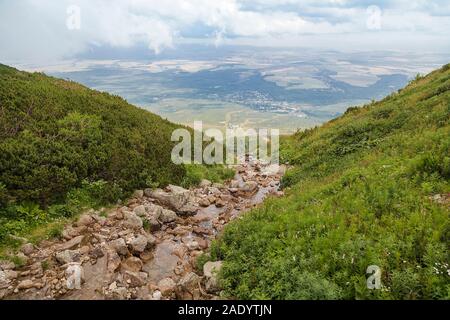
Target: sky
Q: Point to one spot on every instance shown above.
(43, 30)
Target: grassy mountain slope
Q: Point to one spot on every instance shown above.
(64, 146)
(369, 188)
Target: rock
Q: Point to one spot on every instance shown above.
(167, 216)
(249, 187)
(138, 194)
(25, 284)
(138, 244)
(7, 265)
(119, 246)
(27, 249)
(68, 256)
(151, 241)
(85, 220)
(71, 244)
(132, 221)
(167, 287)
(178, 199)
(218, 186)
(135, 279)
(74, 276)
(157, 295)
(153, 223)
(146, 256)
(188, 287)
(22, 257)
(220, 203)
(4, 280)
(113, 261)
(205, 183)
(132, 264)
(211, 269)
(204, 202)
(140, 211)
(96, 253)
(192, 245)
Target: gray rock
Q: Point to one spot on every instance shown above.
(27, 249)
(167, 216)
(135, 279)
(139, 243)
(167, 287)
(119, 246)
(71, 244)
(68, 256)
(140, 211)
(211, 271)
(138, 194)
(188, 287)
(132, 221)
(132, 264)
(25, 284)
(85, 220)
(205, 183)
(178, 199)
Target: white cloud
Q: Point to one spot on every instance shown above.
(37, 28)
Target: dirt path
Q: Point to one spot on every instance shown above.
(145, 250)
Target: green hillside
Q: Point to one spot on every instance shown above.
(64, 147)
(369, 188)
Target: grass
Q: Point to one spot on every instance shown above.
(360, 194)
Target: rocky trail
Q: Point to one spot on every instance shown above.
(145, 250)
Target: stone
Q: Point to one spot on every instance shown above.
(211, 269)
(153, 223)
(27, 249)
(25, 284)
(113, 261)
(138, 244)
(249, 187)
(74, 276)
(138, 194)
(132, 264)
(67, 256)
(71, 244)
(177, 199)
(119, 246)
(4, 280)
(204, 202)
(85, 220)
(220, 203)
(22, 257)
(96, 253)
(135, 279)
(157, 295)
(188, 287)
(167, 216)
(7, 265)
(151, 241)
(132, 221)
(205, 183)
(140, 211)
(167, 287)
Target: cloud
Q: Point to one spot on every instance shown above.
(37, 28)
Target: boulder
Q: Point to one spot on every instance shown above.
(205, 183)
(135, 279)
(25, 284)
(4, 280)
(132, 221)
(167, 216)
(27, 249)
(119, 246)
(68, 256)
(140, 211)
(153, 223)
(138, 244)
(74, 276)
(85, 220)
(71, 244)
(167, 287)
(132, 264)
(188, 287)
(178, 199)
(138, 194)
(113, 261)
(204, 202)
(211, 271)
(249, 187)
